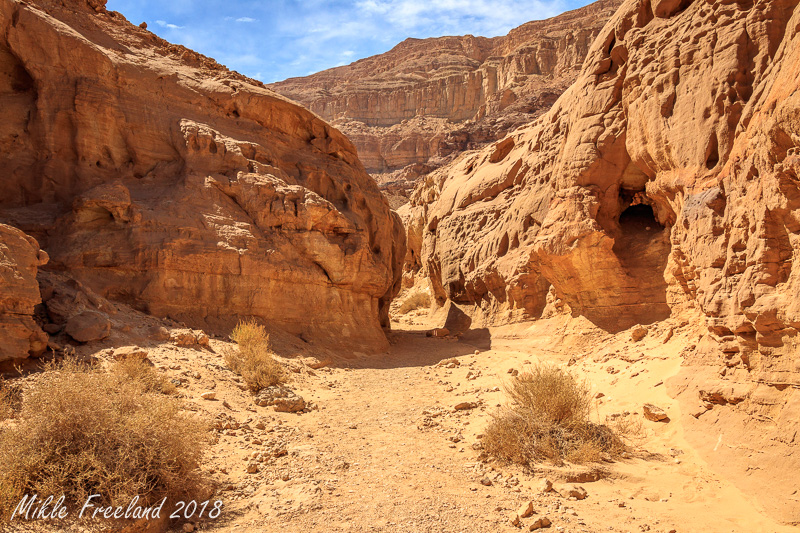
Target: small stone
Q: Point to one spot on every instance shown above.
(539, 523)
(638, 333)
(202, 339)
(52, 329)
(486, 481)
(143, 25)
(209, 395)
(574, 491)
(158, 333)
(252, 468)
(130, 352)
(188, 527)
(465, 406)
(526, 510)
(440, 332)
(514, 519)
(545, 485)
(654, 413)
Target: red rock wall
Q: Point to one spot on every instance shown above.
(20, 258)
(160, 179)
(664, 182)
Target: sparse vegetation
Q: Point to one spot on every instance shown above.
(549, 419)
(415, 300)
(7, 400)
(138, 369)
(253, 360)
(82, 430)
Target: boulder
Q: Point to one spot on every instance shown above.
(88, 326)
(452, 318)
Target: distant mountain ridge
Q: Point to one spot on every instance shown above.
(428, 99)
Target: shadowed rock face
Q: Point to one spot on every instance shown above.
(160, 179)
(20, 258)
(666, 180)
(429, 98)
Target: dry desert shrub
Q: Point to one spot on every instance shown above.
(82, 430)
(253, 360)
(139, 369)
(416, 300)
(6, 400)
(549, 419)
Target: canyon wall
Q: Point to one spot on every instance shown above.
(429, 98)
(160, 179)
(664, 183)
(20, 258)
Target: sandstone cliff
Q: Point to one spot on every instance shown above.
(664, 182)
(20, 258)
(428, 98)
(158, 178)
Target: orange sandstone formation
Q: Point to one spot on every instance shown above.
(664, 182)
(429, 98)
(158, 178)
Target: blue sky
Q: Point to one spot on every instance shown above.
(277, 39)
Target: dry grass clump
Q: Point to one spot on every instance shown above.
(138, 369)
(416, 300)
(549, 419)
(253, 360)
(82, 430)
(7, 400)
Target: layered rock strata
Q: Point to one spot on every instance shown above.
(20, 258)
(664, 183)
(427, 99)
(158, 178)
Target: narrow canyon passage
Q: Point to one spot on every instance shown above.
(387, 451)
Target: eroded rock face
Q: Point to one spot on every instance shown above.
(664, 182)
(160, 179)
(20, 258)
(429, 98)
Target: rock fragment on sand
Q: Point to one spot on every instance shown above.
(654, 413)
(638, 333)
(540, 522)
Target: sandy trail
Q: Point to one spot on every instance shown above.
(379, 454)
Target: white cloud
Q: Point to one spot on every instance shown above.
(246, 19)
(165, 24)
(348, 53)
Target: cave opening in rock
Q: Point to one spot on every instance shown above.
(642, 247)
(638, 218)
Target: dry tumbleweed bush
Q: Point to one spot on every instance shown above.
(549, 419)
(82, 430)
(253, 360)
